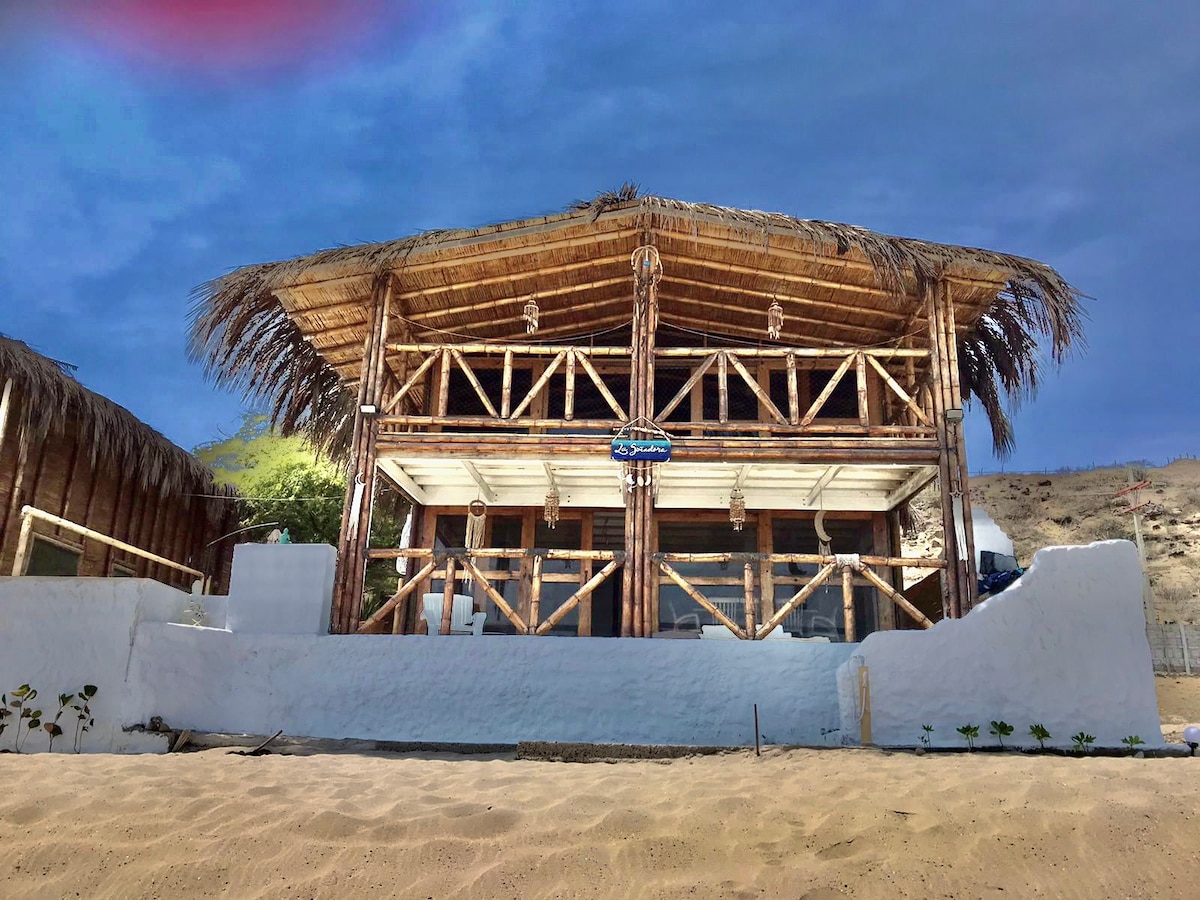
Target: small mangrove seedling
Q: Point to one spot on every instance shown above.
(1000, 730)
(925, 738)
(1132, 742)
(1083, 741)
(83, 719)
(53, 728)
(969, 733)
(32, 718)
(1039, 734)
(5, 712)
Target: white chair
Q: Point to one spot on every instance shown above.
(463, 618)
(721, 633)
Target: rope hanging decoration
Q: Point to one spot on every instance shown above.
(774, 320)
(476, 528)
(737, 508)
(530, 315)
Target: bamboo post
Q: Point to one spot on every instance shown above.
(793, 390)
(722, 388)
(766, 570)
(748, 599)
(447, 597)
(860, 365)
(24, 542)
(535, 594)
(957, 445)
(506, 385)
(355, 534)
(848, 603)
(586, 528)
(569, 389)
(937, 364)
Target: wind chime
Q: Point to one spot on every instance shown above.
(551, 511)
(774, 320)
(530, 315)
(737, 508)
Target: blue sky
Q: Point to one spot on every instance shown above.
(1065, 131)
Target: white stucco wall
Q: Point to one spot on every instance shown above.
(281, 589)
(1065, 647)
(58, 634)
(490, 689)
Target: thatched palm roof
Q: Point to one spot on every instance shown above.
(52, 400)
(290, 333)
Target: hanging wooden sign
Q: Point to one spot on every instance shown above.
(630, 450)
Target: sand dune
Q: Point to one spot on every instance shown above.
(788, 824)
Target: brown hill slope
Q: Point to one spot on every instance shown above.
(1079, 507)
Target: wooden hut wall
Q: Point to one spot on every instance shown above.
(58, 476)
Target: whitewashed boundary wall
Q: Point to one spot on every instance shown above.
(1064, 647)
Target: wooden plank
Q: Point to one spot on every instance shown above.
(480, 482)
(822, 483)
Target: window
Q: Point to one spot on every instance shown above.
(51, 558)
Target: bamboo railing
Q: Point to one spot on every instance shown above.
(423, 400)
(456, 563)
(850, 565)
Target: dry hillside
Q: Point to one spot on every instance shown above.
(1079, 507)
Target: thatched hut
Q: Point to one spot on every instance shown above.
(640, 384)
(88, 489)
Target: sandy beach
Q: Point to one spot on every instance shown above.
(788, 824)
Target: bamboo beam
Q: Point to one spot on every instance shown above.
(502, 348)
(799, 559)
(405, 482)
(823, 482)
(424, 293)
(896, 597)
(571, 602)
(501, 604)
(839, 352)
(797, 600)
(799, 279)
(702, 600)
(828, 390)
(913, 484)
(412, 380)
(401, 594)
(520, 299)
(484, 488)
(496, 553)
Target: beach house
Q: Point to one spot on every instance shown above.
(644, 417)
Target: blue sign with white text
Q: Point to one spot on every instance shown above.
(629, 450)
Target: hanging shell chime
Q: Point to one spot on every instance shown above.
(550, 513)
(530, 315)
(774, 320)
(737, 509)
